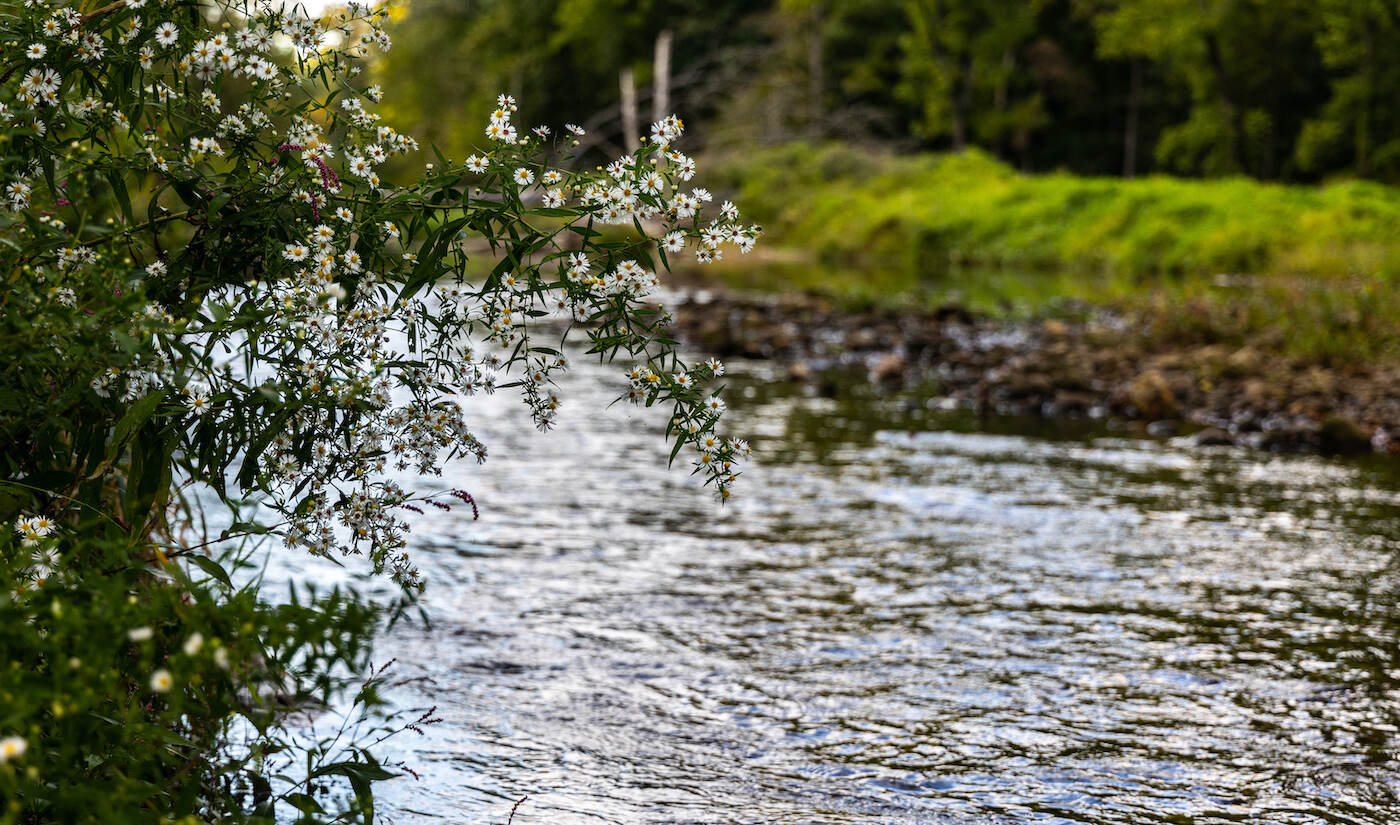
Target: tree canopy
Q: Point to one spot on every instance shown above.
(1275, 89)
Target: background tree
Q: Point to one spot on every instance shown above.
(561, 57)
(1223, 55)
(1276, 89)
(962, 67)
(1358, 126)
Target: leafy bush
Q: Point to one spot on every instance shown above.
(214, 307)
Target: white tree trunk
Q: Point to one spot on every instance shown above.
(631, 129)
(661, 80)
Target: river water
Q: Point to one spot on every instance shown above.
(904, 617)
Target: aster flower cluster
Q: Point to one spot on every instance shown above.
(36, 535)
(633, 191)
(221, 277)
(304, 325)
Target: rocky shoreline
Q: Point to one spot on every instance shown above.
(1098, 369)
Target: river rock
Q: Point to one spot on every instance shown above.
(1161, 429)
(1213, 437)
(1315, 381)
(888, 369)
(1262, 394)
(863, 338)
(1152, 396)
(1242, 362)
(1021, 385)
(1340, 434)
(1073, 402)
(1242, 395)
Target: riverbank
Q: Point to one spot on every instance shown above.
(1308, 271)
(1099, 367)
(925, 212)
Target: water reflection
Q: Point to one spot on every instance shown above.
(907, 616)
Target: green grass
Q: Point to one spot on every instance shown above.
(1307, 270)
(928, 213)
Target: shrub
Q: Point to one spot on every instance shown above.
(214, 301)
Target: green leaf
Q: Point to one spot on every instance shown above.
(214, 569)
(363, 770)
(248, 472)
(217, 204)
(114, 177)
(188, 194)
(304, 803)
(139, 414)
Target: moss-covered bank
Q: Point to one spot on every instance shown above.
(1306, 270)
(931, 212)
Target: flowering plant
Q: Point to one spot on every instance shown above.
(213, 295)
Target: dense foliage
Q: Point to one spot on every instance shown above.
(1277, 89)
(222, 327)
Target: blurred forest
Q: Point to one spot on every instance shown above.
(1287, 90)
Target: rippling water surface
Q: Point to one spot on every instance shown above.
(901, 619)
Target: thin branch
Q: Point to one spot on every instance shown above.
(513, 807)
(105, 10)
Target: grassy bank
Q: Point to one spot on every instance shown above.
(1309, 270)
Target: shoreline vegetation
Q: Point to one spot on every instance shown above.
(1309, 271)
(1238, 311)
(940, 211)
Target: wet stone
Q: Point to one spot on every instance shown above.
(1056, 368)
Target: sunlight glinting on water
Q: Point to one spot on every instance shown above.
(898, 620)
